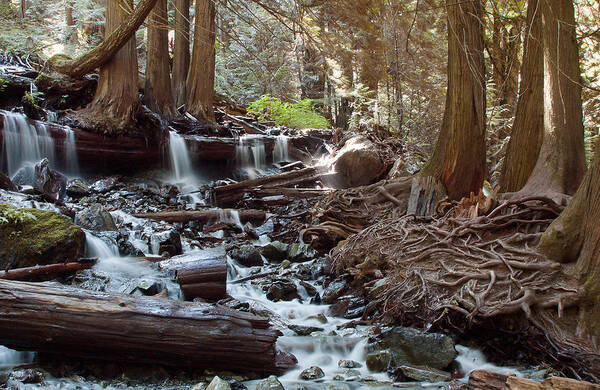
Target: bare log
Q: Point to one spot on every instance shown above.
(200, 277)
(486, 380)
(205, 216)
(51, 318)
(47, 272)
(103, 53)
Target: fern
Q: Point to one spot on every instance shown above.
(299, 115)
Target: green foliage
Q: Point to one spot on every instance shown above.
(12, 216)
(299, 115)
(3, 84)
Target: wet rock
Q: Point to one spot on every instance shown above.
(247, 255)
(348, 307)
(285, 264)
(349, 364)
(334, 291)
(40, 237)
(275, 251)
(310, 289)
(299, 253)
(235, 384)
(301, 330)
(312, 373)
(271, 383)
(168, 241)
(218, 384)
(319, 317)
(310, 271)
(379, 361)
(78, 189)
(6, 184)
(358, 162)
(338, 386)
(415, 347)
(24, 176)
(105, 185)
(281, 290)
(49, 182)
(95, 218)
(149, 287)
(419, 374)
(28, 375)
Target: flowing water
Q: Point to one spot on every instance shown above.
(250, 155)
(181, 163)
(72, 161)
(281, 151)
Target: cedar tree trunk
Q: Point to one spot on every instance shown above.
(181, 55)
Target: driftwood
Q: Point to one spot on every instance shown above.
(50, 318)
(200, 277)
(486, 380)
(205, 216)
(47, 272)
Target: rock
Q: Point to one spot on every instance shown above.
(149, 287)
(6, 184)
(379, 361)
(285, 264)
(358, 162)
(25, 176)
(338, 386)
(199, 386)
(271, 383)
(310, 289)
(78, 189)
(415, 347)
(281, 290)
(95, 218)
(275, 251)
(420, 374)
(168, 241)
(299, 253)
(349, 364)
(334, 291)
(398, 170)
(247, 255)
(319, 317)
(28, 375)
(105, 185)
(218, 384)
(39, 237)
(49, 182)
(310, 271)
(312, 373)
(301, 330)
(487, 380)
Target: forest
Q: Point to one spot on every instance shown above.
(299, 194)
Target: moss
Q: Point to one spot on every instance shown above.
(563, 239)
(50, 238)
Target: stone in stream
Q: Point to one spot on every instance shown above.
(271, 383)
(49, 182)
(168, 241)
(379, 361)
(281, 290)
(299, 253)
(415, 347)
(349, 364)
(312, 373)
(247, 255)
(302, 330)
(275, 251)
(419, 374)
(40, 237)
(95, 218)
(216, 384)
(105, 185)
(28, 375)
(334, 290)
(78, 189)
(6, 183)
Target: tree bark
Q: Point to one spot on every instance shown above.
(71, 32)
(47, 272)
(201, 76)
(119, 34)
(158, 96)
(458, 160)
(59, 319)
(528, 128)
(201, 215)
(204, 278)
(181, 55)
(561, 163)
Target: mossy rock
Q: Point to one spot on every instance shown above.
(48, 239)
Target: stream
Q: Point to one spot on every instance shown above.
(339, 352)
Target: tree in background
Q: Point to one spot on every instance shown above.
(181, 52)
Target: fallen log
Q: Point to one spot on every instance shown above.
(300, 193)
(486, 380)
(206, 216)
(53, 319)
(198, 276)
(47, 272)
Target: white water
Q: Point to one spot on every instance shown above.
(70, 146)
(230, 216)
(281, 151)
(24, 143)
(181, 163)
(250, 155)
(11, 358)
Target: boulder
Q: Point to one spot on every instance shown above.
(415, 347)
(312, 373)
(271, 383)
(299, 253)
(32, 236)
(168, 241)
(78, 188)
(275, 251)
(302, 330)
(281, 290)
(358, 163)
(334, 290)
(48, 181)
(420, 374)
(349, 364)
(95, 218)
(218, 384)
(379, 361)
(247, 255)
(6, 183)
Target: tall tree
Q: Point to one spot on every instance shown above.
(181, 53)
(71, 30)
(528, 128)
(201, 76)
(458, 161)
(157, 92)
(561, 163)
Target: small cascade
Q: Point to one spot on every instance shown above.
(12, 358)
(230, 216)
(281, 151)
(181, 163)
(97, 247)
(72, 162)
(24, 143)
(251, 155)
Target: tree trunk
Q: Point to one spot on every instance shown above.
(71, 31)
(204, 278)
(119, 34)
(528, 128)
(205, 216)
(181, 55)
(201, 76)
(158, 96)
(59, 319)
(458, 160)
(561, 163)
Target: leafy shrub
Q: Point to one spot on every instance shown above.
(299, 115)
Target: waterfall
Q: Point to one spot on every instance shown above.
(24, 142)
(230, 216)
(181, 164)
(281, 151)
(251, 155)
(97, 247)
(72, 162)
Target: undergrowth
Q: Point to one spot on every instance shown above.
(299, 115)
